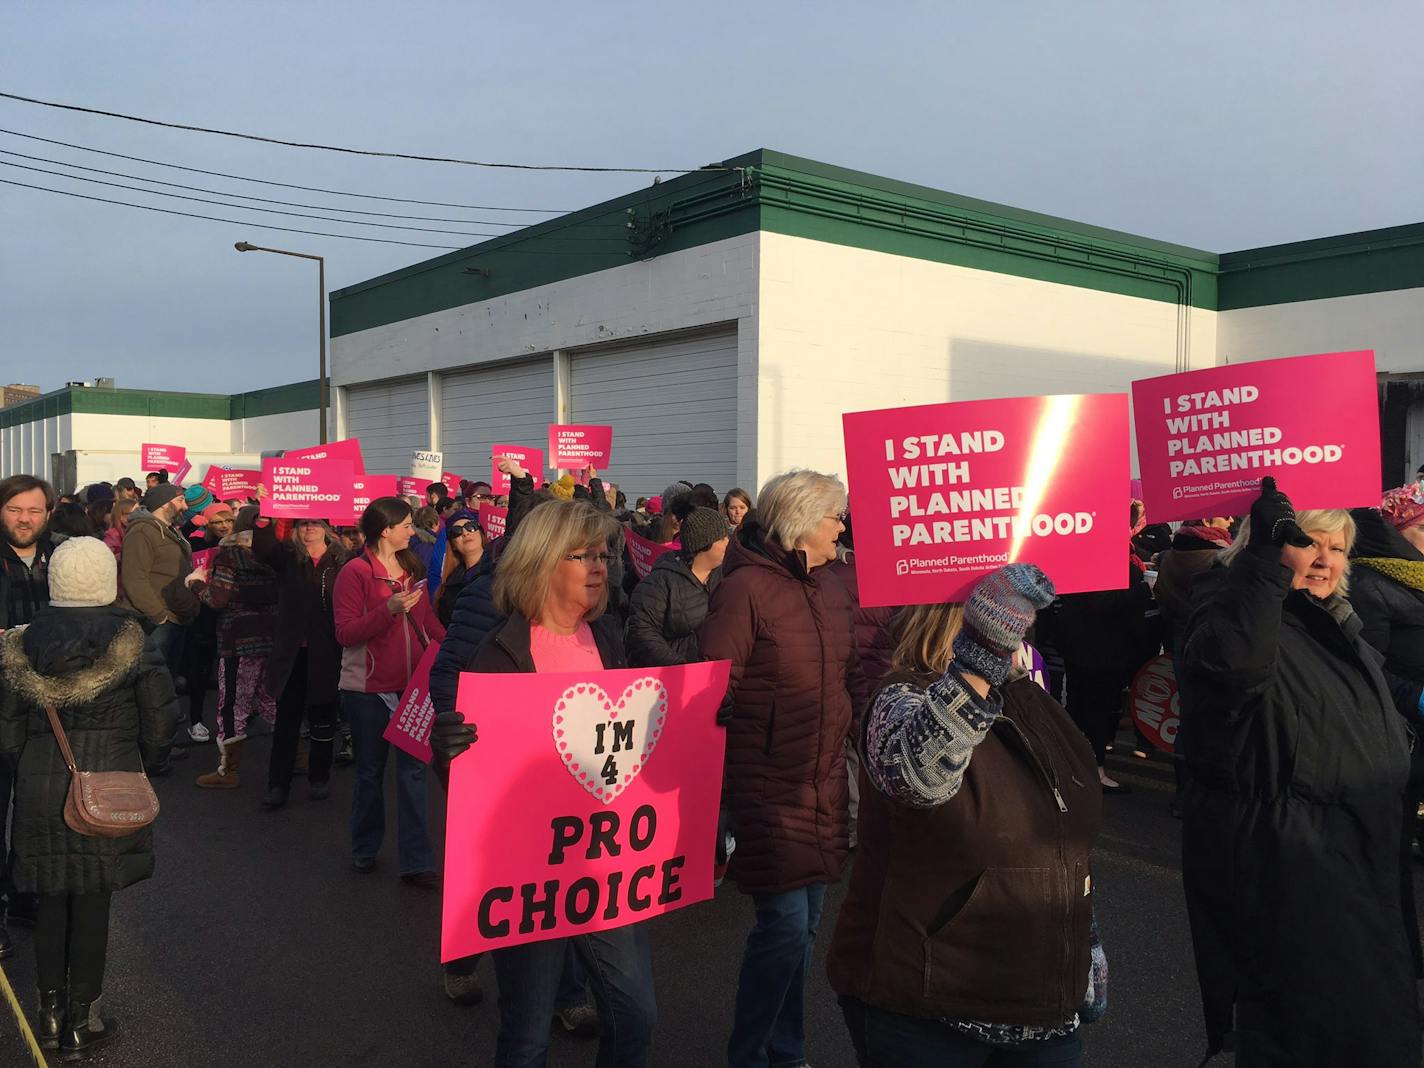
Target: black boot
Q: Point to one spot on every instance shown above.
(85, 1028)
(50, 1018)
(276, 797)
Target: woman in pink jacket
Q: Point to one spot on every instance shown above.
(384, 621)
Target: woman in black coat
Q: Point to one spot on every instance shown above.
(668, 606)
(1291, 820)
(90, 661)
(305, 663)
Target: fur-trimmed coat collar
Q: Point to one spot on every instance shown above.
(74, 688)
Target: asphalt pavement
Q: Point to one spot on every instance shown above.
(256, 944)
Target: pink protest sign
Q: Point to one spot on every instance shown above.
(1155, 704)
(170, 458)
(410, 487)
(452, 482)
(203, 558)
(644, 552)
(1205, 439)
(573, 447)
(307, 489)
(366, 488)
(348, 449)
(946, 493)
(409, 727)
(589, 802)
(231, 484)
(531, 458)
(492, 520)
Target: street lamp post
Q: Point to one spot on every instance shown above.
(243, 246)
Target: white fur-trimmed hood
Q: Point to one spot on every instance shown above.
(76, 688)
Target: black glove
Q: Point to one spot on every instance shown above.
(1273, 520)
(451, 735)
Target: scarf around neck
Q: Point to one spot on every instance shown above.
(1215, 535)
(1406, 572)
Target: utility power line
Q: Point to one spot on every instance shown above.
(357, 151)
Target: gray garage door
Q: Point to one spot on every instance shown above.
(511, 404)
(392, 419)
(673, 408)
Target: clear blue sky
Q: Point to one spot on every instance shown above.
(1219, 125)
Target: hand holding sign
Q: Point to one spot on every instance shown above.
(1273, 520)
(451, 735)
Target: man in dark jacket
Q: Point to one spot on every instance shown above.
(155, 561)
(26, 504)
(669, 606)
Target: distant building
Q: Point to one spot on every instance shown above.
(17, 393)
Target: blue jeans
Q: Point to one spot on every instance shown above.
(885, 1039)
(767, 1027)
(169, 637)
(620, 971)
(368, 715)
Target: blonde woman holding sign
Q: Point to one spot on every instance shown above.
(552, 587)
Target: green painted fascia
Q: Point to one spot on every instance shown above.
(690, 210)
(150, 404)
(45, 406)
(1375, 261)
(275, 400)
(823, 203)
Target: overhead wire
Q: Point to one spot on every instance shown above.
(276, 211)
(356, 151)
(283, 185)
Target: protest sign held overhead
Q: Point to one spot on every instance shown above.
(945, 493)
(170, 458)
(573, 447)
(365, 489)
(1205, 439)
(348, 449)
(589, 802)
(531, 458)
(308, 489)
(426, 467)
(231, 484)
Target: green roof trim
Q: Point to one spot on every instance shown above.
(295, 397)
(1376, 261)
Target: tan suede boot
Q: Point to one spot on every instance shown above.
(229, 759)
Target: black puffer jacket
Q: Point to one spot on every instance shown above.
(1392, 612)
(304, 614)
(115, 700)
(1291, 828)
(666, 610)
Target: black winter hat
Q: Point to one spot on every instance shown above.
(160, 495)
(701, 528)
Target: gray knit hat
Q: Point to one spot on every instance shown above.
(674, 493)
(83, 574)
(701, 528)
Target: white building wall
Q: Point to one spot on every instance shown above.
(1390, 323)
(92, 430)
(289, 430)
(843, 329)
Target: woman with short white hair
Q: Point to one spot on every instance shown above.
(785, 622)
(1292, 816)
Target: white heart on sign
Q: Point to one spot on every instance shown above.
(605, 745)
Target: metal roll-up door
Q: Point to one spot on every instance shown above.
(508, 404)
(672, 406)
(392, 420)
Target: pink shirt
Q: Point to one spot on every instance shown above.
(564, 652)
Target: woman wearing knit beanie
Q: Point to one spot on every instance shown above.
(89, 660)
(978, 813)
(669, 606)
(1387, 593)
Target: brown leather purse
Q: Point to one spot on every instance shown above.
(103, 804)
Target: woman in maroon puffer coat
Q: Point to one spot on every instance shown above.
(796, 691)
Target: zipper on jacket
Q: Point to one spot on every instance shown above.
(1050, 775)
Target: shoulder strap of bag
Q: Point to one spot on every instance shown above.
(59, 735)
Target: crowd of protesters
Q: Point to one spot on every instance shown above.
(971, 796)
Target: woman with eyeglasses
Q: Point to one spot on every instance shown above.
(785, 622)
(552, 588)
(464, 548)
(384, 621)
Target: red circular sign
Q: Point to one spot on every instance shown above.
(1152, 699)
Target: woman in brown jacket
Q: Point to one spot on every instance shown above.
(964, 938)
(796, 688)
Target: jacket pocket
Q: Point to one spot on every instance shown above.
(1005, 937)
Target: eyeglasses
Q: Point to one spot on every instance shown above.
(839, 517)
(482, 496)
(459, 530)
(591, 559)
